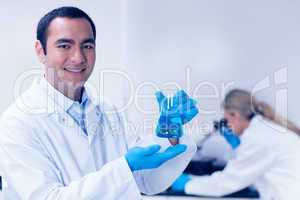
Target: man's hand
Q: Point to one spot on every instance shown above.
(139, 158)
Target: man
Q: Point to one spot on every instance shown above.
(59, 143)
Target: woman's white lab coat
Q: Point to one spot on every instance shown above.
(47, 156)
(268, 158)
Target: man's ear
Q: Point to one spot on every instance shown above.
(40, 52)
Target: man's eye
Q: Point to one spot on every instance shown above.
(63, 46)
(88, 46)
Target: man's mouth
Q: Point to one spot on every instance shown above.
(74, 70)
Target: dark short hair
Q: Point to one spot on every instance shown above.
(66, 11)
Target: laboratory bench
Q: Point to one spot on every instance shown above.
(190, 198)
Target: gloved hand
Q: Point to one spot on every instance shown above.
(139, 158)
(230, 137)
(180, 182)
(174, 112)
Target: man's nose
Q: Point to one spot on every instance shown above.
(78, 57)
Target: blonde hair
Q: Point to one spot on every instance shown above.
(243, 102)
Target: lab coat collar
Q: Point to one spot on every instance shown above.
(55, 101)
(255, 121)
(59, 101)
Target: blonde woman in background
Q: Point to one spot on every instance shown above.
(267, 156)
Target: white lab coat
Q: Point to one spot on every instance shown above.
(268, 157)
(45, 155)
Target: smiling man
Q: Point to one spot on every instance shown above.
(57, 142)
(67, 49)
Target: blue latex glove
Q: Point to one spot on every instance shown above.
(230, 137)
(174, 115)
(139, 158)
(180, 182)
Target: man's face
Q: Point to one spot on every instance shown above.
(235, 121)
(70, 52)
